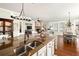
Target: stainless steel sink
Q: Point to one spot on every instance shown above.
(25, 49)
(32, 45)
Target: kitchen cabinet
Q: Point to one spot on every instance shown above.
(42, 51)
(6, 33)
(52, 48)
(35, 54)
(55, 42)
(49, 48)
(6, 27)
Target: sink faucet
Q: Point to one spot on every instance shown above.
(35, 44)
(3, 38)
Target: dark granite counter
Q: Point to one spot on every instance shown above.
(10, 50)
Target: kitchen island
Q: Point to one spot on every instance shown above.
(46, 48)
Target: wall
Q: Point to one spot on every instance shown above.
(57, 27)
(60, 26)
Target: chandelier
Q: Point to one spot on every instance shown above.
(69, 22)
(21, 16)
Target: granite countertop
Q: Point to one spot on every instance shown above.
(48, 39)
(40, 46)
(10, 50)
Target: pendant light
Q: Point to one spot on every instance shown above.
(21, 16)
(69, 22)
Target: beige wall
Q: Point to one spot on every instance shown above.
(58, 29)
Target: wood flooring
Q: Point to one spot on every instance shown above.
(64, 49)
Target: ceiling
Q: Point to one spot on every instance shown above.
(45, 11)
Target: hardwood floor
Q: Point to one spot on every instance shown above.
(64, 49)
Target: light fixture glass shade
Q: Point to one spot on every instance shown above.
(69, 24)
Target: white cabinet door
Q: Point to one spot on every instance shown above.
(55, 41)
(49, 49)
(52, 48)
(42, 51)
(35, 54)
